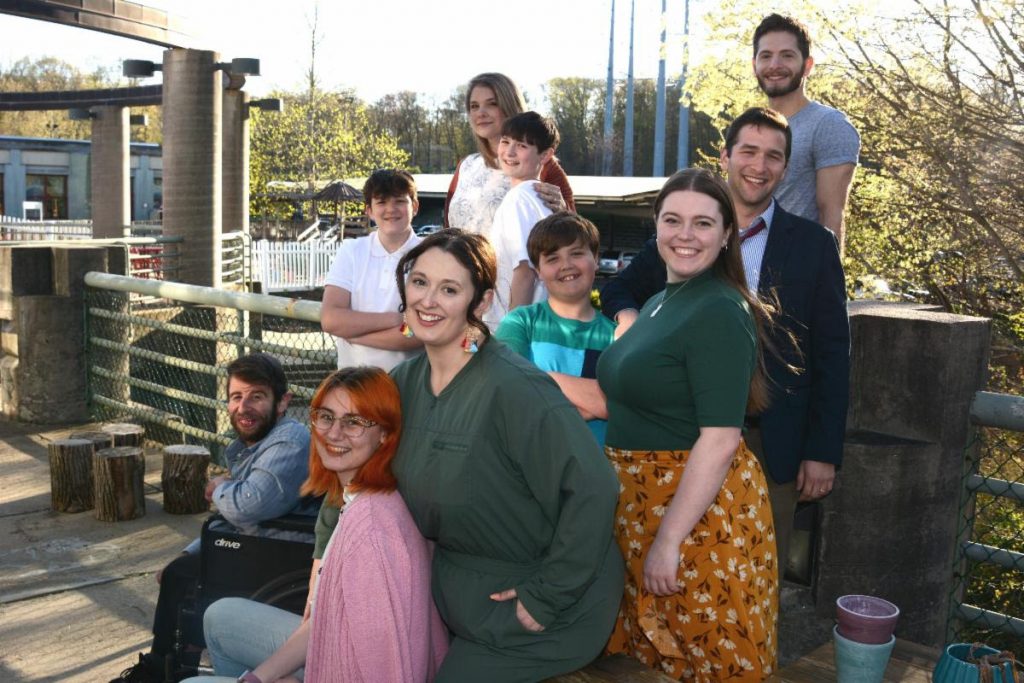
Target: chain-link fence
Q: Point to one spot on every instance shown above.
(160, 359)
(988, 599)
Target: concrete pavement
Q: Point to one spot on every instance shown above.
(76, 595)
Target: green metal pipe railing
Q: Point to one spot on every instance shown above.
(1004, 412)
(298, 309)
(120, 331)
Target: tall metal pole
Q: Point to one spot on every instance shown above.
(606, 162)
(659, 112)
(627, 136)
(683, 142)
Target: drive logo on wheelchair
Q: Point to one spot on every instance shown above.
(225, 543)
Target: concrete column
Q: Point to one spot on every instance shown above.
(111, 175)
(78, 186)
(889, 529)
(192, 162)
(14, 185)
(236, 160)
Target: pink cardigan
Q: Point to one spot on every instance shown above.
(374, 618)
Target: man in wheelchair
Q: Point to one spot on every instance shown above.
(267, 463)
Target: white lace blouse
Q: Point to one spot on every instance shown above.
(477, 196)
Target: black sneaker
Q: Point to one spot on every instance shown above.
(148, 670)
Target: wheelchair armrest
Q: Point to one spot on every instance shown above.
(290, 522)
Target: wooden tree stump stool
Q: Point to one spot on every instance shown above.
(184, 479)
(125, 433)
(100, 440)
(71, 482)
(118, 473)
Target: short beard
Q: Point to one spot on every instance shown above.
(264, 429)
(792, 85)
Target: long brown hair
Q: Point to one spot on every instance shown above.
(728, 267)
(472, 251)
(374, 396)
(510, 102)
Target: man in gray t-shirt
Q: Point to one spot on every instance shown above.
(825, 144)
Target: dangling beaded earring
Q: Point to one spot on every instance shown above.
(405, 329)
(469, 344)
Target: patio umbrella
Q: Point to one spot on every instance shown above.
(338, 191)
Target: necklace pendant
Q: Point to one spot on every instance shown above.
(656, 309)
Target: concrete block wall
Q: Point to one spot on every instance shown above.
(889, 528)
(42, 339)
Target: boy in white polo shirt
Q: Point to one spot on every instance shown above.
(360, 306)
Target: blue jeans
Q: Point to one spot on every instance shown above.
(241, 634)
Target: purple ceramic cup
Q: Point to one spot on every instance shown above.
(866, 619)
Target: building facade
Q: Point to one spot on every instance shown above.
(56, 174)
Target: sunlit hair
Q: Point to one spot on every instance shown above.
(510, 102)
(472, 251)
(559, 230)
(374, 396)
(728, 266)
(778, 22)
(533, 129)
(757, 117)
(386, 183)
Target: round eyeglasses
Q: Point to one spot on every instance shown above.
(352, 426)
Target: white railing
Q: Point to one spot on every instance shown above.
(283, 266)
(12, 229)
(20, 229)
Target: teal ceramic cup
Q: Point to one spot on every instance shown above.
(860, 662)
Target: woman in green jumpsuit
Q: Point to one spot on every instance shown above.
(500, 470)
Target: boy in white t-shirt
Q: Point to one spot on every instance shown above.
(528, 141)
(360, 306)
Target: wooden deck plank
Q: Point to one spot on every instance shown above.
(910, 663)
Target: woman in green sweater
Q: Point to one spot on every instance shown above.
(501, 471)
(693, 519)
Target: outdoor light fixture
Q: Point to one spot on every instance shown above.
(138, 120)
(80, 114)
(242, 66)
(140, 68)
(269, 104)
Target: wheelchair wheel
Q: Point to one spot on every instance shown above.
(287, 592)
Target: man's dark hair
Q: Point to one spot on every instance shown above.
(559, 230)
(778, 22)
(758, 116)
(388, 182)
(260, 368)
(533, 129)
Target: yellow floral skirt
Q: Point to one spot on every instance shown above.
(721, 626)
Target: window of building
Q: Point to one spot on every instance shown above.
(3, 206)
(51, 190)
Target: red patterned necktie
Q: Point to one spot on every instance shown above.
(757, 227)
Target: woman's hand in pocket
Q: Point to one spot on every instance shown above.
(524, 617)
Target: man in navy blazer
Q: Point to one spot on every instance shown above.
(799, 438)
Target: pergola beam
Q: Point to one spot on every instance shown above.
(116, 17)
(138, 96)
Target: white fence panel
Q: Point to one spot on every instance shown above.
(12, 228)
(283, 266)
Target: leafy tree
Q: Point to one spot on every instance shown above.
(49, 74)
(319, 136)
(577, 107)
(436, 136)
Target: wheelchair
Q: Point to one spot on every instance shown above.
(273, 571)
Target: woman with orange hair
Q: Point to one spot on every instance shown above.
(373, 617)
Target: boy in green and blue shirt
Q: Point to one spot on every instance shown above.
(565, 335)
